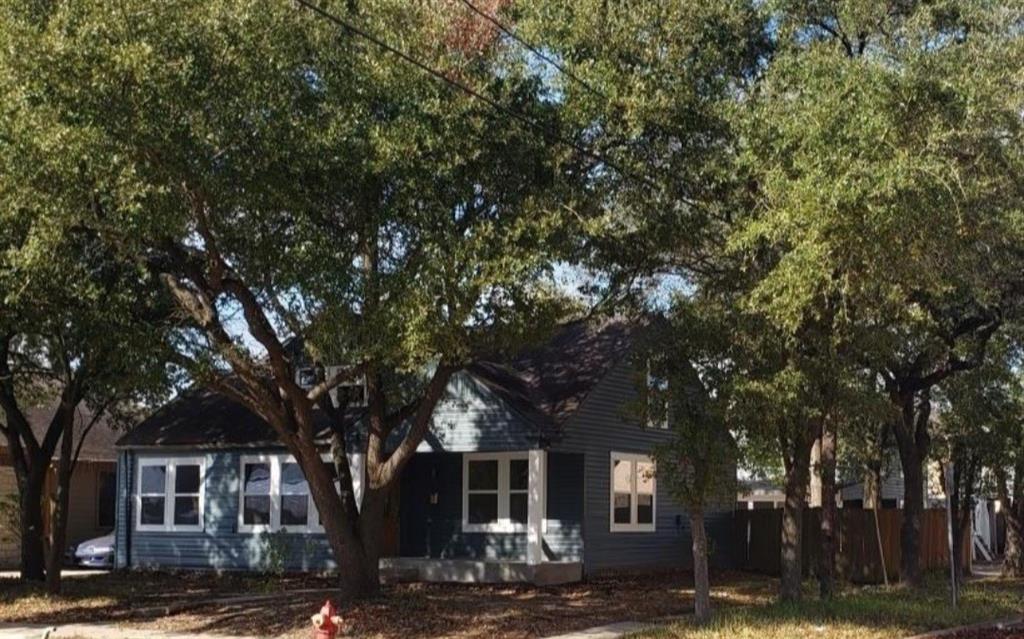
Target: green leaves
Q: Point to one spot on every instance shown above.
(374, 211)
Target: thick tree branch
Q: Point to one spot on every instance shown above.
(343, 375)
(420, 424)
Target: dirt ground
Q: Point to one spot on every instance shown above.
(404, 611)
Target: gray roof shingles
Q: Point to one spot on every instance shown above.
(545, 384)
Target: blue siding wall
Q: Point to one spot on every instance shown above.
(563, 536)
(472, 418)
(426, 530)
(603, 425)
(219, 545)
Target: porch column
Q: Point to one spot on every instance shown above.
(536, 511)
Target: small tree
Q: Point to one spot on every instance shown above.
(699, 463)
(80, 333)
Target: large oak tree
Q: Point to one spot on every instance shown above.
(885, 145)
(292, 183)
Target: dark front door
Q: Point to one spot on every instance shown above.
(431, 486)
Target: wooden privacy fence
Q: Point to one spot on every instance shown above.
(857, 558)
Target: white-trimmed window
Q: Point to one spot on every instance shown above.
(274, 494)
(632, 493)
(495, 492)
(353, 389)
(170, 494)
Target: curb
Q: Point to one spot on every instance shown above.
(104, 631)
(999, 624)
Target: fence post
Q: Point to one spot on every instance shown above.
(881, 550)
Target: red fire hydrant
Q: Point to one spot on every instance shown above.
(326, 624)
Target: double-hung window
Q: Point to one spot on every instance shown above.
(296, 502)
(170, 494)
(257, 505)
(495, 492)
(632, 493)
(275, 494)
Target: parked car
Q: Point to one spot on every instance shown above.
(94, 553)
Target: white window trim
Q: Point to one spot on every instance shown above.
(313, 523)
(171, 465)
(633, 526)
(359, 381)
(504, 525)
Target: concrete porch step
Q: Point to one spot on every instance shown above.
(399, 569)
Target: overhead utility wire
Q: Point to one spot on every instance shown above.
(494, 104)
(543, 56)
(532, 48)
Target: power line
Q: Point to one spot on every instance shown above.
(494, 104)
(533, 49)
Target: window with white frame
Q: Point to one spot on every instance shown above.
(354, 390)
(495, 492)
(632, 493)
(169, 495)
(275, 494)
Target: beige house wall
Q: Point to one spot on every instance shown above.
(83, 507)
(8, 540)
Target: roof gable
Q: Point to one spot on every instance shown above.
(539, 389)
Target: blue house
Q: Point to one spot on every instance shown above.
(535, 469)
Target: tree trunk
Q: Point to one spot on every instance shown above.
(913, 441)
(1013, 511)
(964, 474)
(59, 524)
(1013, 556)
(33, 557)
(797, 475)
(913, 512)
(827, 472)
(701, 581)
(341, 518)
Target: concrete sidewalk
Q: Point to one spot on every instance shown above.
(98, 631)
(609, 631)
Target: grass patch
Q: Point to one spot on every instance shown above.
(862, 613)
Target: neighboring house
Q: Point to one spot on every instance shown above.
(93, 486)
(761, 494)
(533, 470)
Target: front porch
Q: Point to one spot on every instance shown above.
(478, 517)
(408, 569)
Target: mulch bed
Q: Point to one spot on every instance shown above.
(419, 611)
